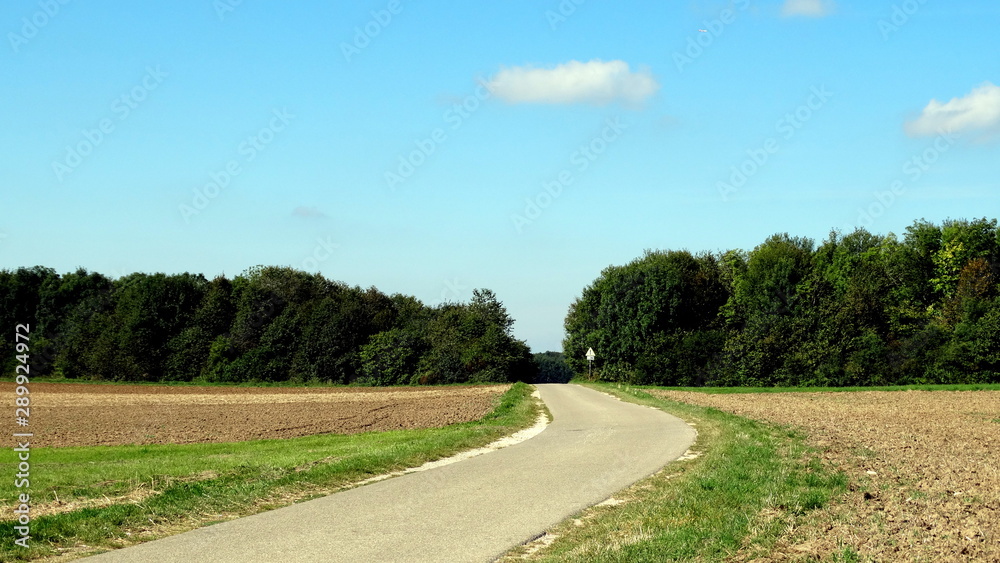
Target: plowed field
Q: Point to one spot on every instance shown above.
(91, 415)
(924, 470)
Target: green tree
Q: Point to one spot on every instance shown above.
(552, 368)
(59, 296)
(150, 311)
(649, 320)
(765, 311)
(390, 358)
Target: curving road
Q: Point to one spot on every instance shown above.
(474, 510)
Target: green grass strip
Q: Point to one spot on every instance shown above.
(164, 489)
(748, 484)
(739, 390)
(239, 385)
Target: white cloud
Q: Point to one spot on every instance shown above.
(809, 8)
(979, 110)
(594, 82)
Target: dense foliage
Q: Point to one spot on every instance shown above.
(269, 324)
(859, 309)
(552, 368)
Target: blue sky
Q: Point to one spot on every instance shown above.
(429, 148)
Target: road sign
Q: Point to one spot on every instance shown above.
(590, 363)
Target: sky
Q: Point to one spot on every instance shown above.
(430, 148)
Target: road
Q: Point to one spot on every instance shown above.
(473, 510)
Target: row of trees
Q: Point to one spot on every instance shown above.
(858, 309)
(268, 324)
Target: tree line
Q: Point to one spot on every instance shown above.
(857, 309)
(269, 324)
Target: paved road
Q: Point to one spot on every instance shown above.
(473, 510)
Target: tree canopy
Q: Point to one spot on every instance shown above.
(269, 324)
(858, 309)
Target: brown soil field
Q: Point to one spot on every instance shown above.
(72, 414)
(924, 469)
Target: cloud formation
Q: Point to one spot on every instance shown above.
(978, 111)
(808, 8)
(595, 82)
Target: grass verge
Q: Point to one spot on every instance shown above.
(747, 485)
(113, 496)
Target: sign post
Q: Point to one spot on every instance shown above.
(590, 362)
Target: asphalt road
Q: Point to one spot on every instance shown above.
(473, 510)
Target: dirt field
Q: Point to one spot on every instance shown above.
(924, 470)
(90, 415)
